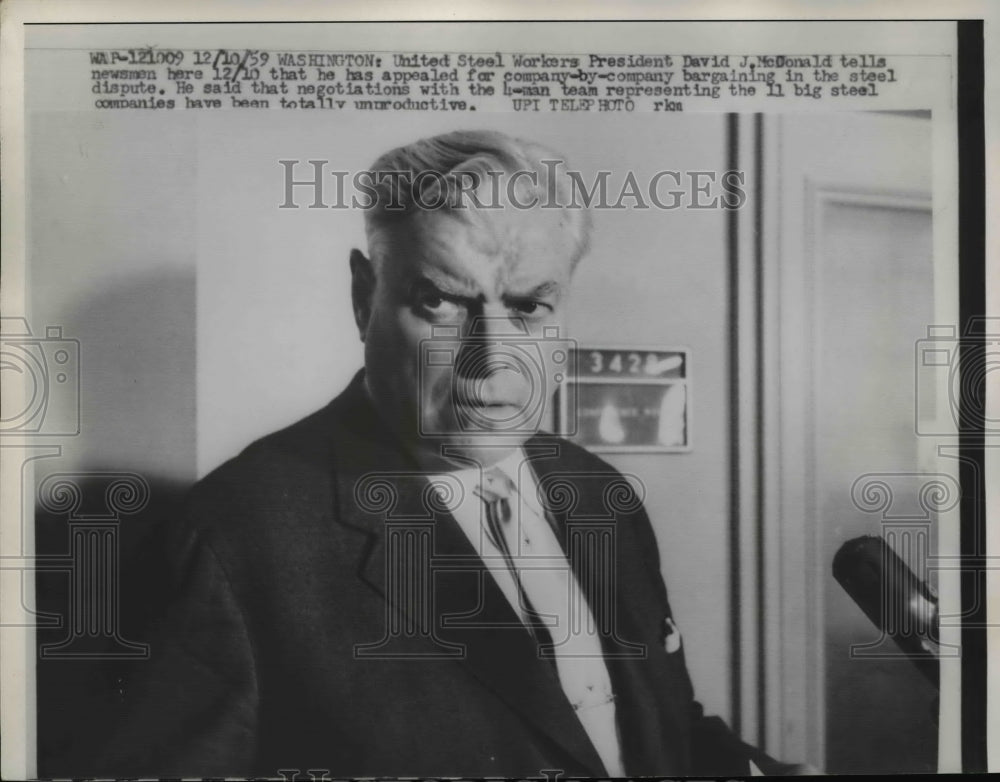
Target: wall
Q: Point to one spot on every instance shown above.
(112, 260)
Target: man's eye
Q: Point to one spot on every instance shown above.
(529, 308)
(439, 306)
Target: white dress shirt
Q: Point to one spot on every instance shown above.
(548, 581)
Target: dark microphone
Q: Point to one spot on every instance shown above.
(893, 598)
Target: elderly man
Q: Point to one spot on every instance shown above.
(401, 584)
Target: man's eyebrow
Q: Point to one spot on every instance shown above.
(453, 286)
(544, 290)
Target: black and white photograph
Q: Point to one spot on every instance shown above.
(428, 396)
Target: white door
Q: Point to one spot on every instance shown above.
(846, 283)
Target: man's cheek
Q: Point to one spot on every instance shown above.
(435, 390)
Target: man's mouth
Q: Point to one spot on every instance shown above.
(484, 398)
(489, 408)
(494, 409)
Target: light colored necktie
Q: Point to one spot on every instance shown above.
(551, 597)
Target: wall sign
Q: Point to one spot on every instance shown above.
(628, 399)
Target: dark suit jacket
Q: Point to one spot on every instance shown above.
(299, 639)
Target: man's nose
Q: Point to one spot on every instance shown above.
(486, 349)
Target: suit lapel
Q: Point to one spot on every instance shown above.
(451, 608)
(585, 508)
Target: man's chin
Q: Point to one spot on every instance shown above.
(470, 448)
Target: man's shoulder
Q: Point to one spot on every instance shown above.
(569, 473)
(569, 454)
(284, 452)
(287, 473)
(276, 495)
(557, 455)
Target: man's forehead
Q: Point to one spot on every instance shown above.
(522, 248)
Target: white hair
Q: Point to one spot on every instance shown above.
(462, 173)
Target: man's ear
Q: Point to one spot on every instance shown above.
(362, 290)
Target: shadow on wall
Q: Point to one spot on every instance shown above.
(96, 611)
(104, 507)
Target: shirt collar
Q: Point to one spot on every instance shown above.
(510, 465)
